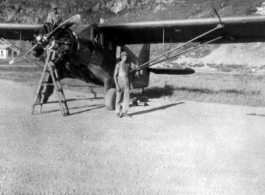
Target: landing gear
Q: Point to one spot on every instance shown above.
(110, 99)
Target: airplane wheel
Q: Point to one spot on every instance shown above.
(110, 99)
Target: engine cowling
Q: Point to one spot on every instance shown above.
(63, 43)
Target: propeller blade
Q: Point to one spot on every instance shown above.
(22, 54)
(76, 19)
(67, 23)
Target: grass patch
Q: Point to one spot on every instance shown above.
(230, 96)
(241, 89)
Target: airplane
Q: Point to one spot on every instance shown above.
(89, 52)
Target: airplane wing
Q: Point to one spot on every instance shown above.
(27, 31)
(235, 30)
(19, 31)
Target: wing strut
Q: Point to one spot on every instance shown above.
(145, 65)
(20, 35)
(163, 40)
(178, 54)
(166, 54)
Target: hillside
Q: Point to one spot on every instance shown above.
(242, 57)
(114, 11)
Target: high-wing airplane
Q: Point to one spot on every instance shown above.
(90, 52)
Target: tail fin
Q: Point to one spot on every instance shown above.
(141, 78)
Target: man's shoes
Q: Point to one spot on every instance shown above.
(127, 115)
(118, 115)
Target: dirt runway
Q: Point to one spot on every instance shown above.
(168, 147)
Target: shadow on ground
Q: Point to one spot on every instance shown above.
(222, 91)
(92, 107)
(155, 109)
(255, 114)
(74, 99)
(168, 90)
(210, 91)
(89, 108)
(154, 92)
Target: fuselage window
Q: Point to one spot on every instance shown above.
(96, 38)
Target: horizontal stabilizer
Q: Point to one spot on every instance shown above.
(172, 71)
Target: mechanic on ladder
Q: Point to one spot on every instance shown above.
(53, 19)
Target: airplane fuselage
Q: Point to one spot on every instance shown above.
(87, 54)
(83, 53)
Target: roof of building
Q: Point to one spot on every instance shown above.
(2, 46)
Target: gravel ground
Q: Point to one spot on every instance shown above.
(168, 147)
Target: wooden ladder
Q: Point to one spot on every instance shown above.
(50, 69)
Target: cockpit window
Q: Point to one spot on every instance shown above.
(96, 36)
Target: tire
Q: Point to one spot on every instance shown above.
(110, 99)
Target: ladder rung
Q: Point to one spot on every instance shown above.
(44, 93)
(45, 82)
(52, 73)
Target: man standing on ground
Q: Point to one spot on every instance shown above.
(121, 78)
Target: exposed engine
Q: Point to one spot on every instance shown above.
(63, 42)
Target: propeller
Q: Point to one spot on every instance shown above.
(71, 21)
(22, 55)
(44, 40)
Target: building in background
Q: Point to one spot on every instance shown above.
(7, 52)
(3, 51)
